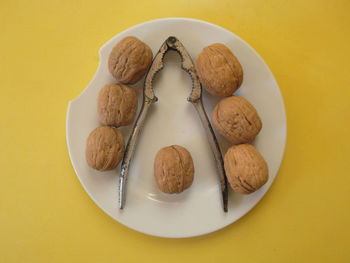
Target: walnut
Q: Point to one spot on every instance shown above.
(236, 119)
(173, 169)
(104, 148)
(129, 60)
(246, 169)
(116, 105)
(219, 70)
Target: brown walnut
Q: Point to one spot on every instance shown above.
(173, 169)
(116, 105)
(236, 119)
(219, 70)
(104, 148)
(129, 60)
(245, 168)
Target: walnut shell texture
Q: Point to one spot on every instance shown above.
(173, 169)
(104, 148)
(236, 119)
(129, 60)
(219, 70)
(117, 105)
(245, 168)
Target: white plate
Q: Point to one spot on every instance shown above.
(173, 120)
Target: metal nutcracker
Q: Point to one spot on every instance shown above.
(195, 97)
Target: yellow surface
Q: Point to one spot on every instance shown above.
(49, 53)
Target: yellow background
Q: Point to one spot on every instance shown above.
(49, 53)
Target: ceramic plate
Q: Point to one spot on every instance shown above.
(173, 120)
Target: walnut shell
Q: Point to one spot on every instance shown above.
(173, 169)
(219, 70)
(129, 60)
(236, 119)
(104, 148)
(245, 168)
(116, 105)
